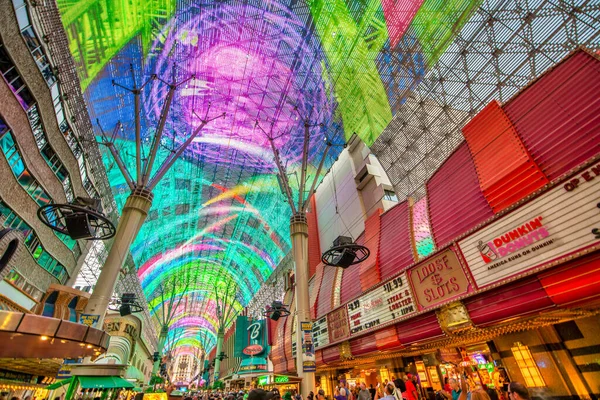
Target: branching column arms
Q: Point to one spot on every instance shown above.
(143, 177)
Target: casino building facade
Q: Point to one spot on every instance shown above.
(497, 266)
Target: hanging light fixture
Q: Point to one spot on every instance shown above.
(80, 219)
(345, 253)
(276, 310)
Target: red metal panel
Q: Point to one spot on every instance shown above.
(395, 250)
(574, 283)
(287, 339)
(314, 290)
(314, 246)
(456, 203)
(319, 357)
(326, 292)
(351, 287)
(278, 353)
(369, 269)
(506, 171)
(557, 115)
(516, 299)
(418, 329)
(387, 338)
(363, 345)
(331, 354)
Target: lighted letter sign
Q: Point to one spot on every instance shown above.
(437, 280)
(337, 324)
(386, 303)
(539, 233)
(320, 333)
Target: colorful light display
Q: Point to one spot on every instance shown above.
(218, 217)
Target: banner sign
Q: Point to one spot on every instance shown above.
(241, 336)
(15, 376)
(386, 303)
(320, 332)
(309, 363)
(89, 320)
(439, 279)
(337, 325)
(65, 369)
(548, 228)
(253, 349)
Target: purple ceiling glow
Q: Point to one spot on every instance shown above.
(253, 65)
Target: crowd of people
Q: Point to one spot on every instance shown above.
(407, 388)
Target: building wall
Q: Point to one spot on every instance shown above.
(11, 192)
(348, 220)
(360, 183)
(566, 355)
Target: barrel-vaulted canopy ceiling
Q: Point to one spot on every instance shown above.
(219, 218)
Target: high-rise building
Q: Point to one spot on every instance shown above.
(42, 160)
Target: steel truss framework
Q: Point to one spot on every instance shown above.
(348, 66)
(502, 47)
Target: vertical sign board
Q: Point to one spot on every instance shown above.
(337, 325)
(90, 320)
(562, 221)
(438, 280)
(309, 363)
(386, 303)
(320, 332)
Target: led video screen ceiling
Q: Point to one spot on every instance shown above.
(218, 217)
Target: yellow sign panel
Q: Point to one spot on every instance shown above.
(155, 396)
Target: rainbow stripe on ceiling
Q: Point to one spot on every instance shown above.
(218, 216)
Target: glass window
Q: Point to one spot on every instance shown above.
(31, 39)
(529, 370)
(390, 195)
(18, 3)
(44, 259)
(22, 17)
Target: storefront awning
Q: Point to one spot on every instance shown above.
(58, 384)
(104, 382)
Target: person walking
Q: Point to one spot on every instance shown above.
(401, 387)
(363, 393)
(389, 392)
(345, 393)
(517, 391)
(411, 390)
(372, 391)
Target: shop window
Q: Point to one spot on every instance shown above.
(527, 365)
(49, 305)
(72, 312)
(9, 219)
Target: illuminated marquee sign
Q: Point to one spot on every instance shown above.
(544, 230)
(320, 333)
(437, 280)
(337, 325)
(386, 303)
